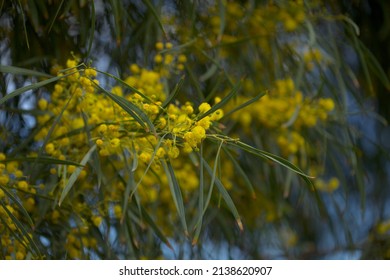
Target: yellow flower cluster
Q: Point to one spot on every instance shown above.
(81, 114)
(13, 181)
(286, 111)
(260, 23)
(256, 40)
(165, 62)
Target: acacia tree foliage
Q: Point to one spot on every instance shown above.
(186, 129)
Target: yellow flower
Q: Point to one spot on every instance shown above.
(71, 63)
(217, 115)
(50, 148)
(115, 142)
(96, 220)
(29, 204)
(204, 107)
(104, 152)
(173, 152)
(333, 184)
(187, 148)
(90, 72)
(42, 104)
(145, 157)
(205, 122)
(23, 185)
(134, 68)
(117, 90)
(159, 46)
(160, 152)
(182, 58)
(327, 104)
(99, 142)
(117, 211)
(158, 58)
(71, 168)
(199, 131)
(188, 109)
(19, 255)
(55, 215)
(102, 128)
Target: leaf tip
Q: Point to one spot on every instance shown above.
(240, 226)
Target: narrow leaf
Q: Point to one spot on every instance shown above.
(92, 30)
(130, 184)
(43, 160)
(75, 174)
(156, 16)
(32, 87)
(269, 156)
(176, 193)
(174, 93)
(198, 224)
(245, 104)
(225, 195)
(241, 173)
(24, 25)
(55, 16)
(22, 71)
(156, 229)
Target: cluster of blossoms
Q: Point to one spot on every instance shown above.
(80, 114)
(18, 190)
(287, 112)
(128, 133)
(262, 24)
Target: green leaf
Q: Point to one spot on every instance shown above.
(176, 193)
(32, 87)
(213, 178)
(198, 224)
(245, 104)
(24, 24)
(282, 162)
(22, 71)
(174, 93)
(92, 30)
(55, 16)
(156, 229)
(225, 195)
(149, 164)
(75, 174)
(241, 173)
(156, 16)
(116, 10)
(43, 160)
(130, 184)
(270, 156)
